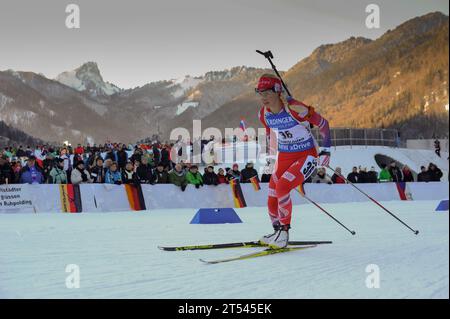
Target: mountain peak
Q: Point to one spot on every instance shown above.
(87, 78)
(420, 25)
(335, 52)
(89, 68)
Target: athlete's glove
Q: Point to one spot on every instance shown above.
(324, 156)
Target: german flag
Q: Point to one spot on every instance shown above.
(70, 198)
(135, 196)
(238, 197)
(301, 189)
(255, 182)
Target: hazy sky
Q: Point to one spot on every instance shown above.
(136, 42)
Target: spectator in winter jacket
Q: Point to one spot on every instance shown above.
(161, 175)
(17, 168)
(65, 156)
(95, 148)
(137, 155)
(122, 157)
(98, 172)
(47, 164)
(77, 158)
(6, 171)
(372, 176)
(8, 152)
(396, 172)
(31, 173)
(156, 154)
(92, 160)
(145, 171)
(20, 152)
(248, 172)
(363, 176)
(210, 178)
(80, 175)
(128, 174)
(434, 173)
(385, 176)
(221, 176)
(177, 176)
(321, 177)
(57, 174)
(165, 157)
(113, 175)
(107, 164)
(234, 173)
(3, 178)
(423, 176)
(407, 174)
(28, 151)
(79, 150)
(337, 177)
(194, 177)
(151, 160)
(353, 176)
(110, 155)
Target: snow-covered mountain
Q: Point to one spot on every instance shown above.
(54, 112)
(79, 105)
(185, 84)
(87, 78)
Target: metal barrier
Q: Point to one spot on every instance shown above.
(362, 136)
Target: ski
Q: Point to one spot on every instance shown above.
(248, 244)
(265, 252)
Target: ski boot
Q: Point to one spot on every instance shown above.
(267, 239)
(281, 238)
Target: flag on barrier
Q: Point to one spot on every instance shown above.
(238, 196)
(135, 196)
(70, 198)
(403, 191)
(301, 189)
(255, 182)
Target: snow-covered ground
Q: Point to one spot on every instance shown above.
(117, 255)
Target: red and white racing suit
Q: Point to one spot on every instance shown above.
(297, 155)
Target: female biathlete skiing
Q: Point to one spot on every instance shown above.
(297, 155)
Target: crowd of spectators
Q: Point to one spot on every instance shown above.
(110, 164)
(151, 163)
(388, 173)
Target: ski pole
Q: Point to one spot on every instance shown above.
(323, 210)
(268, 55)
(376, 202)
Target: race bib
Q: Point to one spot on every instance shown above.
(309, 166)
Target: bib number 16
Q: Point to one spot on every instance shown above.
(286, 134)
